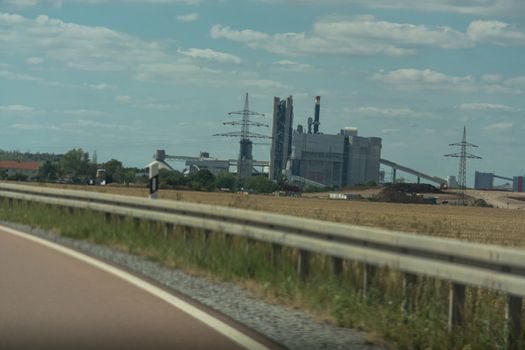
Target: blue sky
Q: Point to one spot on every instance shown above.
(126, 77)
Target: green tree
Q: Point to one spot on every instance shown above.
(48, 171)
(75, 164)
(261, 184)
(202, 180)
(114, 171)
(172, 179)
(226, 180)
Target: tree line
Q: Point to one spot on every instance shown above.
(77, 167)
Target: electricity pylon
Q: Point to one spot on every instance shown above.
(463, 156)
(245, 161)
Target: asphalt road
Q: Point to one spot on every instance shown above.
(51, 299)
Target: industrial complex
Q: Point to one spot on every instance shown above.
(305, 156)
(310, 157)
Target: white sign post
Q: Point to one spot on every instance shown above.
(153, 180)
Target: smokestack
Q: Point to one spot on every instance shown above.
(310, 122)
(317, 109)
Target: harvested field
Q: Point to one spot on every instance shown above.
(483, 225)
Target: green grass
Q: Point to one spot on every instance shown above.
(249, 264)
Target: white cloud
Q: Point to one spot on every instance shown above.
(246, 36)
(496, 32)
(486, 107)
(79, 46)
(101, 86)
(292, 66)
(492, 78)
(418, 77)
(427, 79)
(210, 54)
(123, 99)
(84, 112)
(387, 112)
(101, 49)
(390, 131)
(475, 7)
(16, 109)
(59, 3)
(34, 60)
(362, 35)
(190, 17)
(499, 126)
(366, 35)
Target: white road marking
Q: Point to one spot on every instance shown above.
(191, 310)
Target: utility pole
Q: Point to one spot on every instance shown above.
(245, 161)
(463, 155)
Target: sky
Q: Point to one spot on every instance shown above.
(126, 77)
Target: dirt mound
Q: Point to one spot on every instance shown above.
(407, 193)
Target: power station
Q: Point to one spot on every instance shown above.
(308, 157)
(322, 160)
(281, 148)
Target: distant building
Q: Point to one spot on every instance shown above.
(311, 158)
(518, 184)
(452, 181)
(215, 166)
(12, 168)
(319, 157)
(340, 160)
(483, 181)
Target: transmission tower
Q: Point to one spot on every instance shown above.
(245, 161)
(463, 155)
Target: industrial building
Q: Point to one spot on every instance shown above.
(485, 181)
(281, 148)
(313, 158)
(340, 160)
(518, 184)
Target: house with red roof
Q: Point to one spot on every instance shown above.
(13, 167)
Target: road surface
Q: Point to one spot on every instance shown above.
(52, 297)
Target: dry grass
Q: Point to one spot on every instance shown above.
(483, 225)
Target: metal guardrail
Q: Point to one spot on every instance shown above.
(493, 267)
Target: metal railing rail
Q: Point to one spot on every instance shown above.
(463, 263)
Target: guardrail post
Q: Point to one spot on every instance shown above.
(513, 315)
(250, 242)
(187, 234)
(409, 284)
(152, 226)
(276, 253)
(456, 306)
(71, 210)
(337, 264)
(369, 272)
(303, 264)
(107, 217)
(207, 234)
(136, 222)
(168, 229)
(120, 219)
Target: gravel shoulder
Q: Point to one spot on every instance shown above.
(291, 328)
